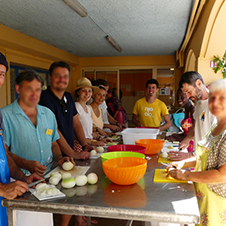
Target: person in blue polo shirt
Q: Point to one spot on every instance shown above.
(30, 137)
(62, 104)
(9, 190)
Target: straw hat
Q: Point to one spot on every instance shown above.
(85, 82)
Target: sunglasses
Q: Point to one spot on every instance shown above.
(63, 106)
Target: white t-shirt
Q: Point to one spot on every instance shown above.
(204, 120)
(103, 108)
(86, 120)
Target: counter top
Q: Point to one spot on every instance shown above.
(144, 201)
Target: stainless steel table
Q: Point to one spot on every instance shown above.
(144, 201)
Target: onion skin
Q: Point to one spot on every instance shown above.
(81, 180)
(67, 166)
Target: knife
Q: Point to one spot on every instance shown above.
(166, 164)
(36, 182)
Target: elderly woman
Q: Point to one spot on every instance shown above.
(210, 163)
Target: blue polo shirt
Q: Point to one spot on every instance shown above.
(64, 114)
(24, 139)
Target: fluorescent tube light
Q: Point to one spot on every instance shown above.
(114, 43)
(76, 7)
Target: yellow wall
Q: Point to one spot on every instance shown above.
(209, 39)
(23, 50)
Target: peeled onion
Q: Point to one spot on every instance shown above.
(68, 182)
(41, 186)
(93, 152)
(100, 149)
(66, 175)
(67, 166)
(92, 178)
(164, 154)
(56, 174)
(54, 180)
(81, 180)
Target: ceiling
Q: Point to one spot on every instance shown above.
(140, 27)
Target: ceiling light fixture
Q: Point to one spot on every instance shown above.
(76, 7)
(114, 43)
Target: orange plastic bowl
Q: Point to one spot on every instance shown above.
(153, 146)
(125, 170)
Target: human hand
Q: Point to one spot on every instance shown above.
(106, 140)
(66, 159)
(101, 142)
(13, 189)
(176, 165)
(31, 178)
(178, 156)
(184, 143)
(82, 155)
(36, 167)
(102, 133)
(179, 174)
(114, 128)
(122, 126)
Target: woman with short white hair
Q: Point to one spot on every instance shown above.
(210, 163)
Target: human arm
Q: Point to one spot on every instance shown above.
(66, 148)
(185, 142)
(135, 121)
(178, 156)
(207, 177)
(13, 189)
(167, 123)
(114, 124)
(30, 165)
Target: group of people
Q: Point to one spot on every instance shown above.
(42, 125)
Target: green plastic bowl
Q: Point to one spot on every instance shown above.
(119, 154)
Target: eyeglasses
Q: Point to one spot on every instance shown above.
(63, 106)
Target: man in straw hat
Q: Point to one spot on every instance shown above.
(62, 105)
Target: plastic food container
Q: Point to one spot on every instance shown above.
(153, 146)
(129, 135)
(119, 154)
(125, 171)
(127, 147)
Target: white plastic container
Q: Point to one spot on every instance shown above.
(129, 135)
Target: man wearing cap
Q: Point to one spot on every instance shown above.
(9, 190)
(62, 105)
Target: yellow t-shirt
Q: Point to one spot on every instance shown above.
(150, 115)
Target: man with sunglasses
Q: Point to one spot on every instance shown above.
(62, 105)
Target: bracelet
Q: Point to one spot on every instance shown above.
(96, 129)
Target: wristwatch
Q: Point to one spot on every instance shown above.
(117, 123)
(96, 129)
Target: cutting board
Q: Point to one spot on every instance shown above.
(77, 170)
(160, 177)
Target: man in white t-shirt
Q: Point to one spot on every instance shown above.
(193, 86)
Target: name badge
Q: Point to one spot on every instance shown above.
(49, 132)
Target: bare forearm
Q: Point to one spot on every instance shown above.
(165, 126)
(18, 161)
(135, 121)
(111, 119)
(64, 146)
(207, 177)
(15, 172)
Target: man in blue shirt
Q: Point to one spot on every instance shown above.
(61, 103)
(30, 129)
(9, 190)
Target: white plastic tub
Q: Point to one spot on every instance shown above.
(129, 135)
